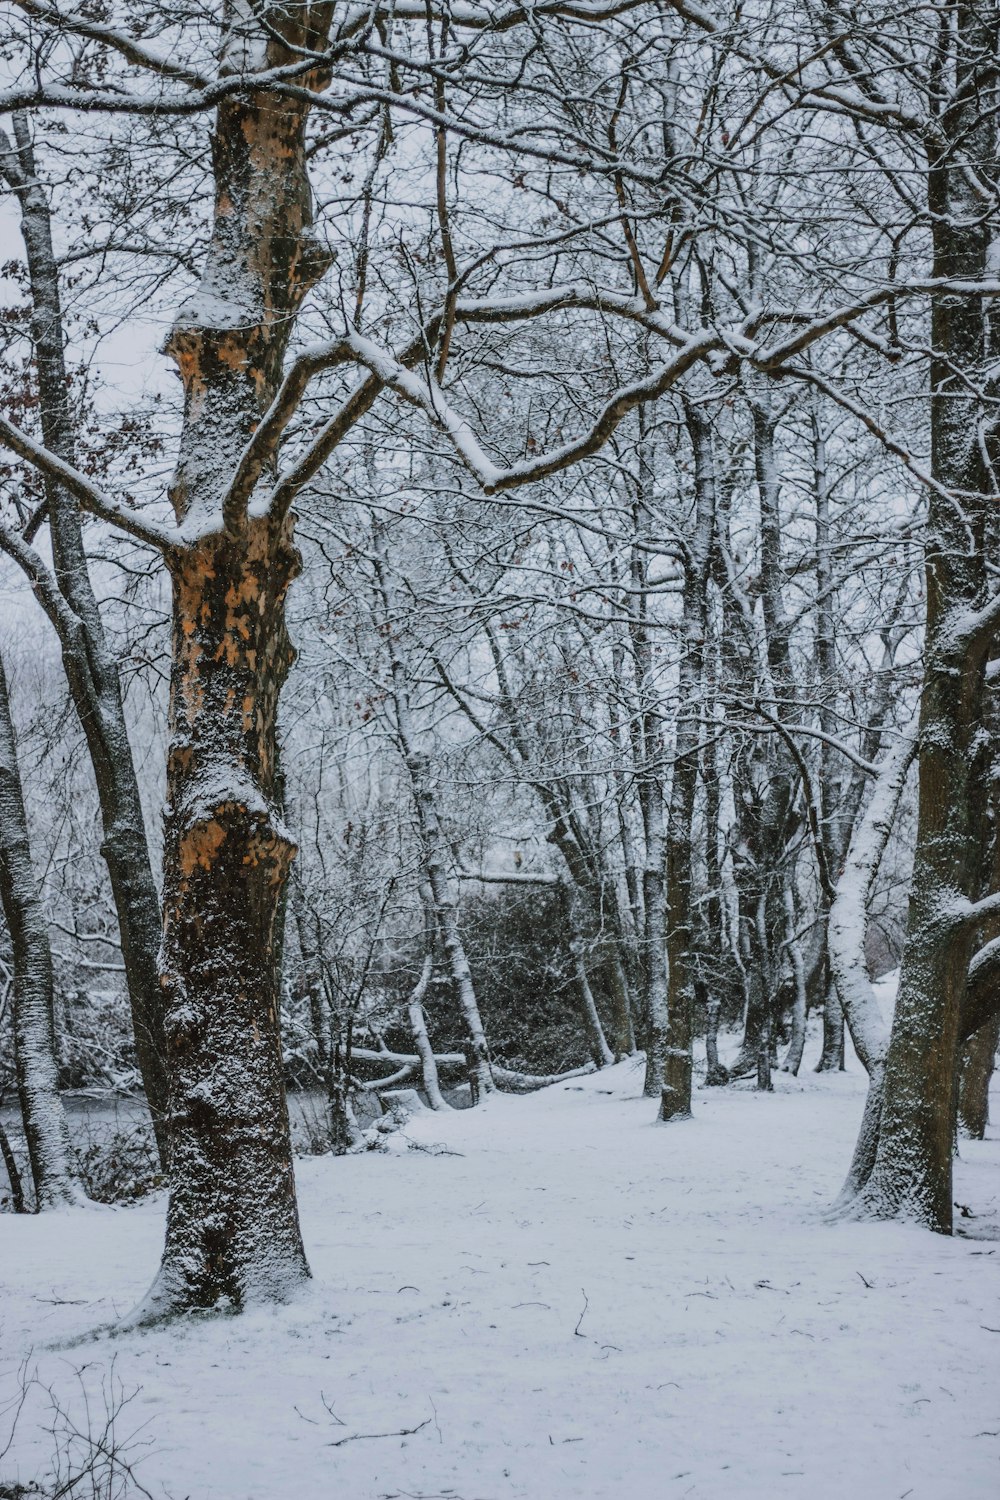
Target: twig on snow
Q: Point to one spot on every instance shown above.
(583, 1314)
(360, 1437)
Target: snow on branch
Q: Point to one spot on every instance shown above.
(975, 627)
(427, 394)
(264, 443)
(93, 499)
(127, 46)
(527, 1083)
(964, 913)
(486, 17)
(43, 584)
(982, 990)
(508, 1077)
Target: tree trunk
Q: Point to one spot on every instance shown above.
(912, 1173)
(307, 928)
(590, 1019)
(232, 1222)
(345, 1132)
(226, 858)
(715, 1073)
(977, 1062)
(763, 780)
(650, 738)
(777, 821)
(45, 1126)
(91, 669)
(831, 1058)
(796, 1044)
(418, 1020)
(675, 1097)
(831, 803)
(17, 1199)
(846, 930)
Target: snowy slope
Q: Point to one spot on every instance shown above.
(577, 1303)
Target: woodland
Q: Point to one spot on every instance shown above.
(499, 643)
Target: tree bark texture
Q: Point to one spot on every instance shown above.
(232, 1227)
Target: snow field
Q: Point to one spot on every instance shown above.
(576, 1305)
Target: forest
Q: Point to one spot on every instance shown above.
(499, 749)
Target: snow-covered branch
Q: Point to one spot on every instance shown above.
(134, 51)
(93, 499)
(263, 445)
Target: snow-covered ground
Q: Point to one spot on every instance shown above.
(569, 1303)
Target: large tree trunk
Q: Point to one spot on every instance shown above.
(232, 1223)
(675, 1098)
(912, 1173)
(90, 666)
(45, 1126)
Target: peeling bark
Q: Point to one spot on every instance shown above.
(232, 1225)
